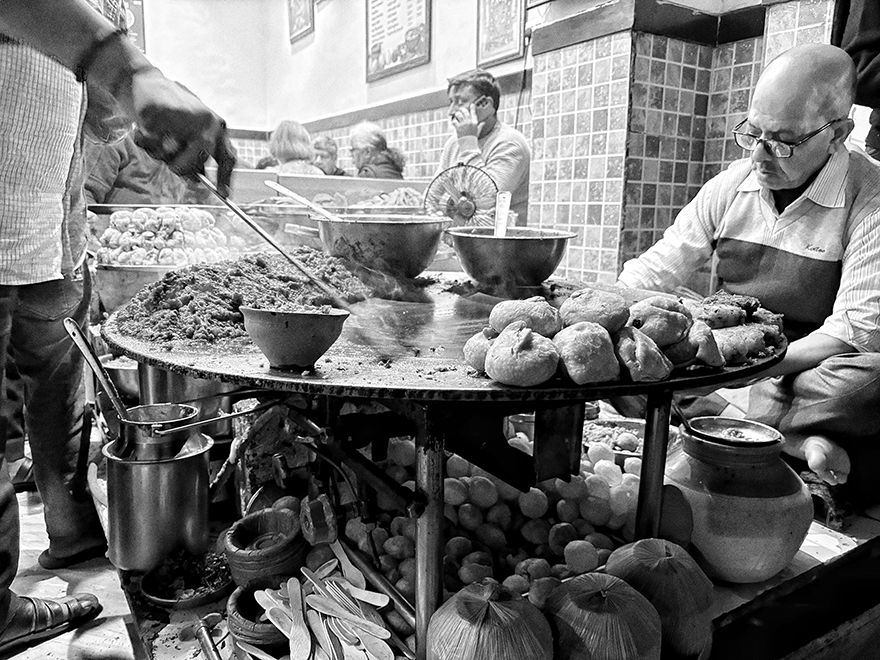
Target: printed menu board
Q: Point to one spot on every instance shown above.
(398, 36)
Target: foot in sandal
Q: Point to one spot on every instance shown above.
(34, 620)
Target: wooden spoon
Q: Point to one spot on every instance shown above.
(300, 640)
(316, 625)
(253, 650)
(328, 606)
(374, 646)
(351, 573)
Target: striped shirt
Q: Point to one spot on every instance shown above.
(817, 262)
(42, 216)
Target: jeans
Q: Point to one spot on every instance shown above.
(31, 327)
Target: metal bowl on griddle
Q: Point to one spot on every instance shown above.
(524, 257)
(394, 244)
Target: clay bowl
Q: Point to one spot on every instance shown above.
(525, 257)
(394, 244)
(293, 340)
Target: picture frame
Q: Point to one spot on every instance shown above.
(300, 19)
(501, 28)
(398, 36)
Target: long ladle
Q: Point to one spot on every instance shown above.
(92, 358)
(685, 422)
(232, 206)
(287, 192)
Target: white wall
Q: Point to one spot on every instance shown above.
(236, 56)
(216, 48)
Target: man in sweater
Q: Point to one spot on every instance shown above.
(798, 226)
(482, 140)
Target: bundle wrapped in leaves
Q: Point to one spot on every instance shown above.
(486, 621)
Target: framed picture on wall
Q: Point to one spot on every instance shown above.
(300, 18)
(398, 36)
(500, 31)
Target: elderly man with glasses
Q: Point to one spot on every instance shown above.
(797, 224)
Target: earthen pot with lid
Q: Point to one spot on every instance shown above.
(751, 510)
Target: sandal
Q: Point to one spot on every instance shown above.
(35, 620)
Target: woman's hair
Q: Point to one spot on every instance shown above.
(367, 135)
(291, 141)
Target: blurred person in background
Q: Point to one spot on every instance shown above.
(48, 50)
(482, 140)
(291, 146)
(326, 152)
(372, 156)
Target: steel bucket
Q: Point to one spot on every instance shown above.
(156, 507)
(159, 385)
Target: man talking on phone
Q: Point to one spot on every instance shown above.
(482, 140)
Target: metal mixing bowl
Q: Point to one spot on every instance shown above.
(397, 245)
(525, 257)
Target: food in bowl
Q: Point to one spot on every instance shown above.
(625, 436)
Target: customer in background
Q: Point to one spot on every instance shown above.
(291, 145)
(482, 140)
(797, 225)
(43, 245)
(372, 156)
(326, 152)
(123, 173)
(856, 29)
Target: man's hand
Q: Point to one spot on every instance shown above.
(465, 121)
(176, 127)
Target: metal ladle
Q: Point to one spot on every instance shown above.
(92, 358)
(684, 420)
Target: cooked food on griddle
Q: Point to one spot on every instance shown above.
(665, 320)
(596, 306)
(520, 356)
(535, 312)
(586, 353)
(741, 343)
(718, 315)
(640, 355)
(201, 302)
(749, 304)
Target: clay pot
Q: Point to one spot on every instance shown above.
(243, 619)
(751, 511)
(265, 545)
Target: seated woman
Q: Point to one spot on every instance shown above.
(291, 145)
(372, 156)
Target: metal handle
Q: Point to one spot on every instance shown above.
(232, 206)
(92, 358)
(159, 431)
(287, 192)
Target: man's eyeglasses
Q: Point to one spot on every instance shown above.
(776, 148)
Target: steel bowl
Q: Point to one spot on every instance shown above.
(293, 340)
(123, 373)
(396, 245)
(525, 257)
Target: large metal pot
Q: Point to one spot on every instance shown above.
(161, 385)
(397, 245)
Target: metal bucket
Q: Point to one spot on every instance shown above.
(156, 507)
(158, 385)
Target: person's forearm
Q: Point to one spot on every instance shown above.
(807, 353)
(67, 30)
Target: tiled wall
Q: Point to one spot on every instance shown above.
(793, 23)
(667, 130)
(580, 99)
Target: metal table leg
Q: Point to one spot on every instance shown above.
(429, 527)
(659, 405)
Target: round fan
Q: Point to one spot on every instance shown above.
(464, 193)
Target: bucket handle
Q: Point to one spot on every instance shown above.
(158, 429)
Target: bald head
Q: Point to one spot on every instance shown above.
(807, 85)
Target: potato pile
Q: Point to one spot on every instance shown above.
(166, 236)
(530, 541)
(595, 337)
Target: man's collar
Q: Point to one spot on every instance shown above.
(827, 188)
